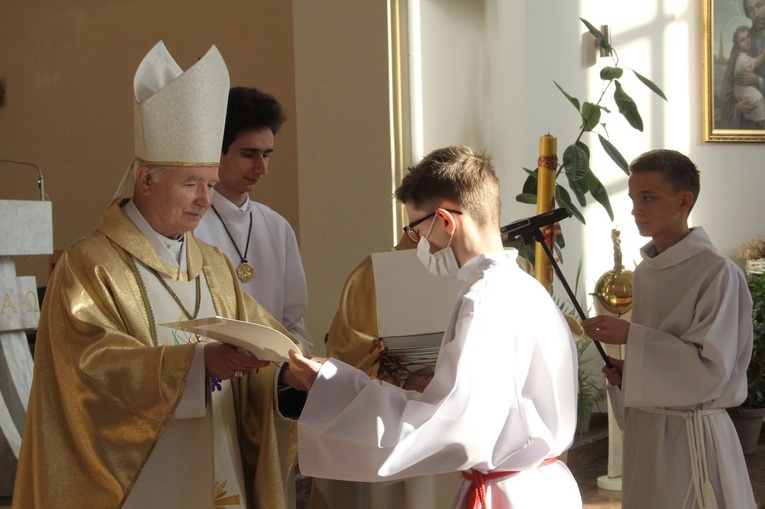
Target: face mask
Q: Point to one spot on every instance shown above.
(441, 263)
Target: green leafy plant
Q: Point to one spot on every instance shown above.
(575, 163)
(755, 373)
(589, 389)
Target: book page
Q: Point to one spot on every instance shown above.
(262, 341)
(410, 300)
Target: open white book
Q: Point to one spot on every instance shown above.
(263, 342)
(413, 306)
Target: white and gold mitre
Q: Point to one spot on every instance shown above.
(180, 116)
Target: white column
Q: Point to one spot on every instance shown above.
(613, 479)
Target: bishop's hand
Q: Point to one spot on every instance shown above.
(225, 361)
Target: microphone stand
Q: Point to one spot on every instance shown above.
(40, 181)
(537, 235)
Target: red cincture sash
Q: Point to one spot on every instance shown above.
(476, 498)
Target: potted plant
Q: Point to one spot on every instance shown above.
(575, 162)
(589, 390)
(748, 417)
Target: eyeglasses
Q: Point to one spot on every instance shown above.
(414, 235)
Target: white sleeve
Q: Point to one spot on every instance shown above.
(295, 292)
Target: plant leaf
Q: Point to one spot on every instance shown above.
(627, 107)
(560, 241)
(576, 186)
(527, 198)
(590, 116)
(578, 191)
(585, 148)
(592, 184)
(530, 185)
(650, 84)
(572, 100)
(614, 154)
(575, 162)
(611, 73)
(599, 37)
(527, 251)
(755, 373)
(524, 250)
(578, 278)
(565, 199)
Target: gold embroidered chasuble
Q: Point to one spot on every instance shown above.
(355, 331)
(103, 392)
(354, 338)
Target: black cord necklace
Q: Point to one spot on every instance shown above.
(244, 272)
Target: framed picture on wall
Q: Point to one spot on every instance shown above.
(734, 70)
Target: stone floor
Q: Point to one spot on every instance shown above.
(596, 498)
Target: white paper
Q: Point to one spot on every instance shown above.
(410, 300)
(263, 342)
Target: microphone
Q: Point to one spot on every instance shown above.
(531, 224)
(40, 183)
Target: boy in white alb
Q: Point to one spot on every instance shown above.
(501, 405)
(259, 242)
(689, 341)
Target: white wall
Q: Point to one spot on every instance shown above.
(488, 78)
(489, 68)
(662, 40)
(344, 145)
(474, 58)
(68, 70)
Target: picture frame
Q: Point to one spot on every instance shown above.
(724, 117)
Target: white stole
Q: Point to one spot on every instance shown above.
(196, 462)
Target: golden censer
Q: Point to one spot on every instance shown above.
(614, 288)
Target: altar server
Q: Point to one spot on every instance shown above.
(689, 341)
(501, 405)
(259, 242)
(124, 412)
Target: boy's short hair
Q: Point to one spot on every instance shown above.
(677, 168)
(249, 109)
(457, 174)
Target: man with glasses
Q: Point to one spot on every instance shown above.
(502, 402)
